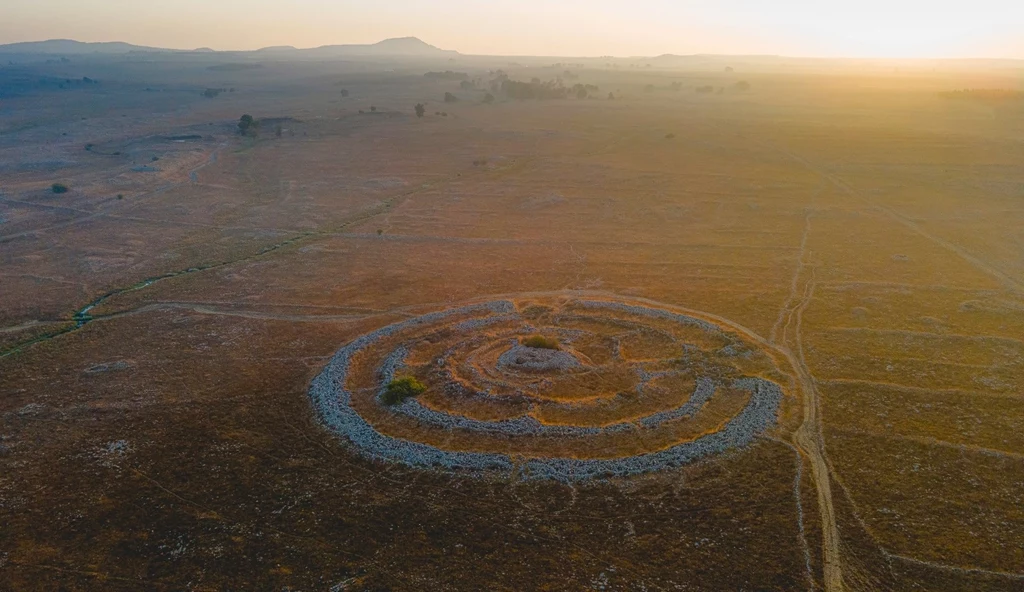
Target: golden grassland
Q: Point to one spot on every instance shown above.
(861, 222)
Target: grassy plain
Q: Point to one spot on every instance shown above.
(846, 213)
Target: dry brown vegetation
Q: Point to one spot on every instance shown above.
(861, 225)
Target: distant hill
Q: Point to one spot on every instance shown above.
(403, 46)
(70, 47)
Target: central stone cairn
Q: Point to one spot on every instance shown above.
(602, 388)
(536, 359)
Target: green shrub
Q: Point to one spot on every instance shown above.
(541, 342)
(402, 388)
(59, 188)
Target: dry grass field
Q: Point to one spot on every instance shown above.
(162, 322)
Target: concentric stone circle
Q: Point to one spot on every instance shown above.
(634, 387)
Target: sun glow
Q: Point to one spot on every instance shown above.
(866, 28)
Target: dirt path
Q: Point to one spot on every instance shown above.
(786, 338)
(809, 439)
(1010, 283)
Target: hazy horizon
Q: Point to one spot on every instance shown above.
(796, 28)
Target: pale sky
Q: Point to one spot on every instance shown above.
(860, 28)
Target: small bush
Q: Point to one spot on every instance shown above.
(541, 342)
(420, 109)
(59, 188)
(669, 136)
(401, 388)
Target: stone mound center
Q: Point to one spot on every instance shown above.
(533, 359)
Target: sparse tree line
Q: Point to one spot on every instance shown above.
(211, 93)
(447, 75)
(984, 94)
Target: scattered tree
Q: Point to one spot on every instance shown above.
(278, 131)
(447, 75)
(488, 99)
(247, 125)
(420, 109)
(402, 388)
(743, 86)
(989, 95)
(59, 188)
(344, 92)
(669, 136)
(534, 89)
(611, 97)
(373, 109)
(450, 98)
